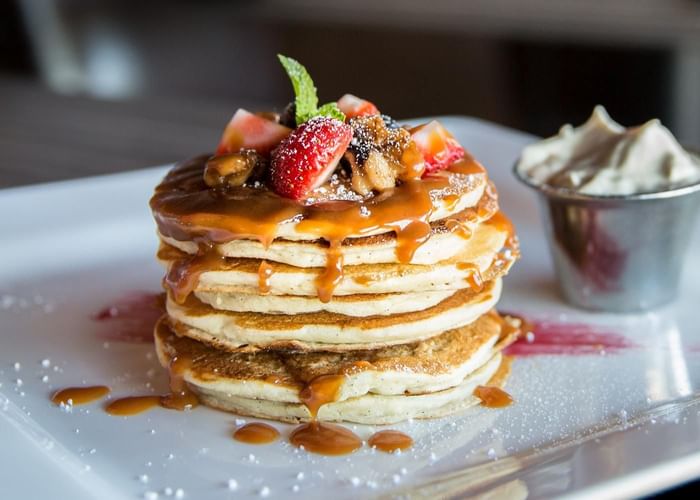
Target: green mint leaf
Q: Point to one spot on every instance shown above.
(306, 99)
(331, 110)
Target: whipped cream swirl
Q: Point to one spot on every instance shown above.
(601, 157)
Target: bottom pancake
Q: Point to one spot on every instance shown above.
(370, 409)
(424, 379)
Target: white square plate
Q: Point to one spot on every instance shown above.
(613, 423)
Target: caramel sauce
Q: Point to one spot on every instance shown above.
(493, 397)
(132, 405)
(511, 325)
(80, 395)
(256, 433)
(186, 209)
(413, 163)
(474, 279)
(180, 397)
(332, 274)
(500, 221)
(319, 391)
(264, 274)
(319, 437)
(363, 279)
(413, 235)
(514, 325)
(325, 439)
(451, 201)
(459, 228)
(390, 441)
(184, 272)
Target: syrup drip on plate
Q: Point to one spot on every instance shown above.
(80, 395)
(325, 439)
(179, 398)
(256, 433)
(132, 405)
(390, 441)
(493, 397)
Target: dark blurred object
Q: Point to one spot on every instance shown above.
(687, 490)
(555, 83)
(14, 45)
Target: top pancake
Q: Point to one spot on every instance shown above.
(186, 209)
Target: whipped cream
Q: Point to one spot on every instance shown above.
(601, 157)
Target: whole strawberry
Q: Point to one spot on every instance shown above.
(307, 157)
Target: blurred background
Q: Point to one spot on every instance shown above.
(99, 86)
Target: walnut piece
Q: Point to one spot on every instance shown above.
(232, 169)
(382, 152)
(380, 173)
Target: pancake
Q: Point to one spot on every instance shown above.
(371, 409)
(476, 253)
(184, 206)
(349, 305)
(447, 237)
(309, 254)
(420, 379)
(328, 331)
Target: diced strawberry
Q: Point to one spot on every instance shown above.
(440, 149)
(308, 156)
(249, 131)
(353, 106)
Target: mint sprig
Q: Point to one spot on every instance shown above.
(306, 100)
(331, 110)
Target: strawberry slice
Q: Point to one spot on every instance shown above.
(440, 149)
(249, 131)
(353, 106)
(308, 156)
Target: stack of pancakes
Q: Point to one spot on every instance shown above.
(396, 303)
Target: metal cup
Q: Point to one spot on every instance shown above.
(618, 253)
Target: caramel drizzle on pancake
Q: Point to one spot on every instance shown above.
(179, 259)
(186, 209)
(265, 272)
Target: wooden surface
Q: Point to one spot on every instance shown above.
(47, 137)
